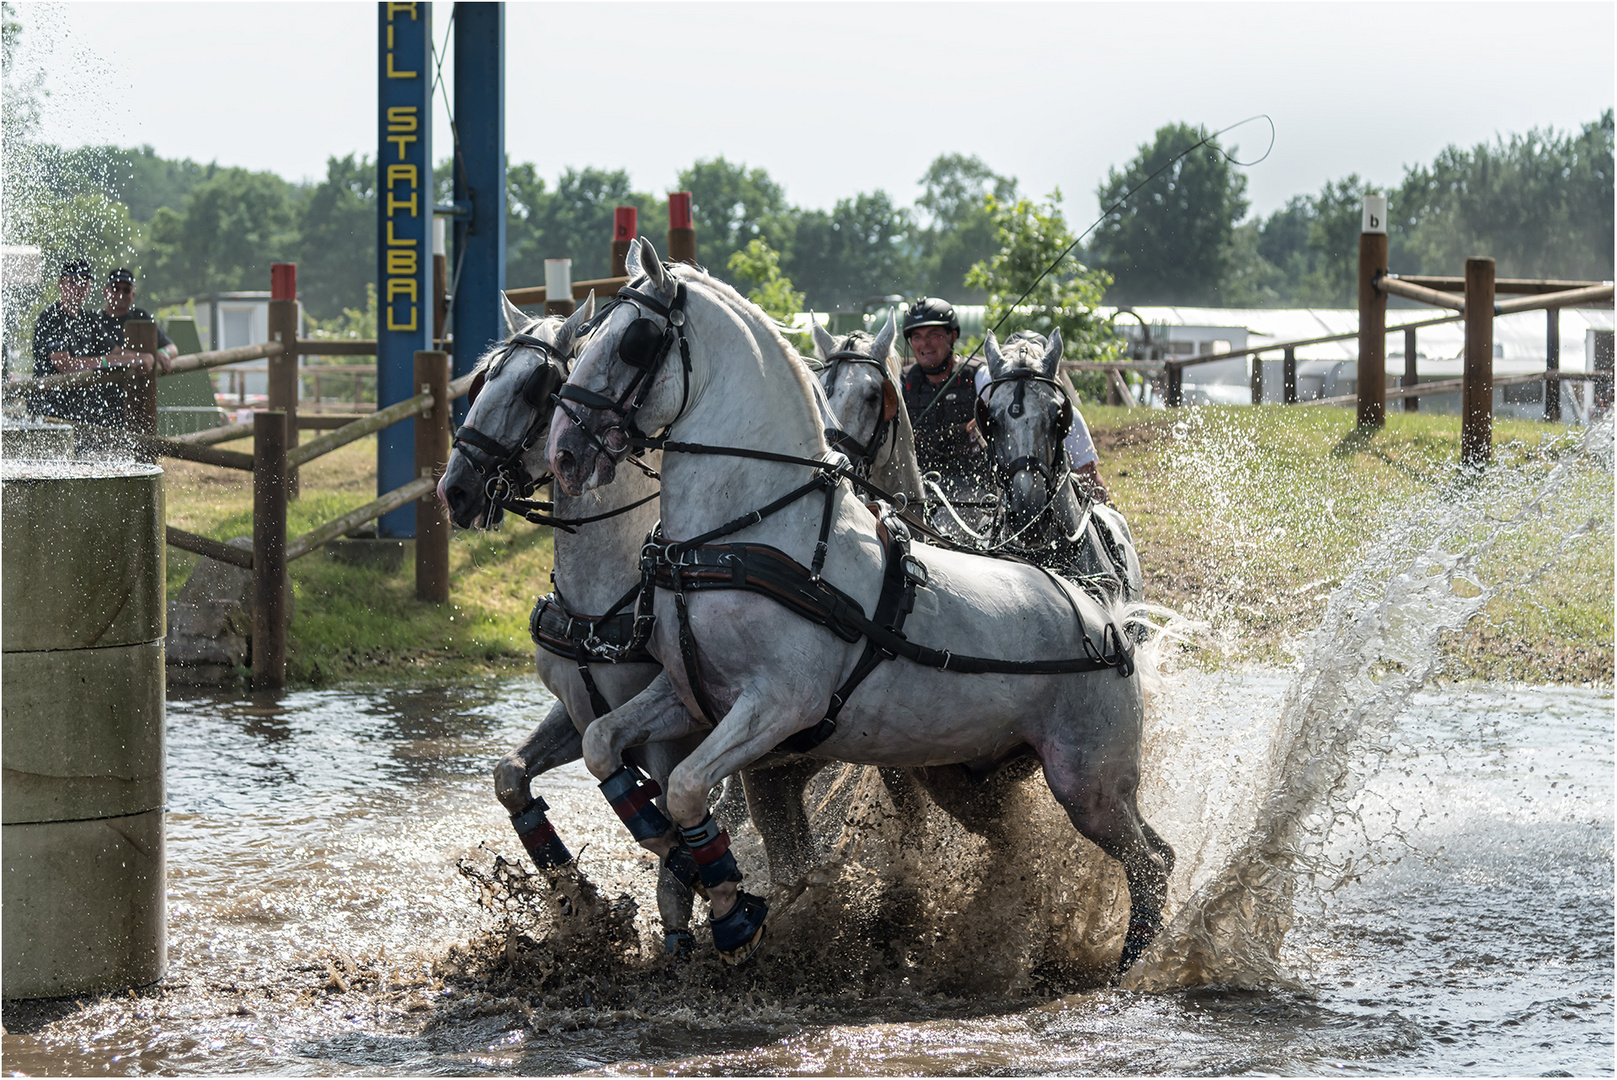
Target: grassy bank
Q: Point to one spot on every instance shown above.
(1247, 517)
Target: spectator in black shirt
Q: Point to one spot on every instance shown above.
(120, 308)
(69, 338)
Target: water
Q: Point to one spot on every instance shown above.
(318, 924)
(1377, 873)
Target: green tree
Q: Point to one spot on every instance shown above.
(955, 229)
(732, 205)
(572, 222)
(1170, 243)
(756, 268)
(857, 251)
(337, 238)
(1031, 237)
(1540, 204)
(232, 227)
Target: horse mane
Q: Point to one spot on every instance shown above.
(763, 327)
(497, 350)
(1024, 349)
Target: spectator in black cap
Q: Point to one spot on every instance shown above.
(120, 308)
(69, 338)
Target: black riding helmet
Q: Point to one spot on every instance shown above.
(930, 311)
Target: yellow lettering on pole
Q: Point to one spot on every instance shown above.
(395, 73)
(399, 204)
(390, 35)
(402, 118)
(401, 140)
(402, 287)
(397, 8)
(411, 325)
(394, 241)
(407, 173)
(402, 262)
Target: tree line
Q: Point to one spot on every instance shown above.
(1540, 203)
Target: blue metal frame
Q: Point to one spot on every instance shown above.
(403, 234)
(478, 259)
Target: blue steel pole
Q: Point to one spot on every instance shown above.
(403, 234)
(478, 318)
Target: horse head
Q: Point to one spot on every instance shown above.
(1025, 413)
(862, 390)
(632, 379)
(499, 450)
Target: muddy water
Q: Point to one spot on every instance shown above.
(319, 924)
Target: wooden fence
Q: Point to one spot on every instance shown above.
(278, 454)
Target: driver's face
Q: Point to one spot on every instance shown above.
(932, 345)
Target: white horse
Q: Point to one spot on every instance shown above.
(755, 638)
(580, 626)
(1024, 414)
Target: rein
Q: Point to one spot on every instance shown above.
(680, 566)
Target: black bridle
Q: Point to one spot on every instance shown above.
(861, 454)
(1054, 474)
(643, 346)
(505, 482)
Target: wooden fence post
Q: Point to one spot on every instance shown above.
(140, 399)
(269, 548)
(1175, 395)
(625, 227)
(1476, 392)
(1257, 378)
(283, 369)
(681, 229)
(1372, 314)
(1411, 370)
(1288, 374)
(1552, 362)
(431, 456)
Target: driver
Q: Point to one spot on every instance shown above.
(939, 393)
(943, 414)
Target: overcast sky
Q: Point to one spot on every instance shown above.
(837, 98)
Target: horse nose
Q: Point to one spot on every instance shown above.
(565, 464)
(456, 499)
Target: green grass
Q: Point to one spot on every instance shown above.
(1246, 516)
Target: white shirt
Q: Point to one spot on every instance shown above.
(1080, 447)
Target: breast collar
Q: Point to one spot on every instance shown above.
(862, 455)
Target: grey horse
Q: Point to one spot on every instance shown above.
(758, 634)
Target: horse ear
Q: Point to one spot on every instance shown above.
(1052, 354)
(569, 329)
(883, 344)
(515, 318)
(650, 265)
(824, 343)
(996, 362)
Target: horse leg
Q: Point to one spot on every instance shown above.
(974, 800)
(1099, 798)
(775, 797)
(675, 898)
(752, 728)
(554, 742)
(907, 798)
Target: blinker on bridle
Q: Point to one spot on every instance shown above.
(862, 455)
(499, 465)
(643, 346)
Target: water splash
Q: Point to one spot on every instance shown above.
(1429, 573)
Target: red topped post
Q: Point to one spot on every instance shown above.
(625, 227)
(283, 281)
(681, 230)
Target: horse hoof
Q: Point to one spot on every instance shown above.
(738, 935)
(678, 946)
